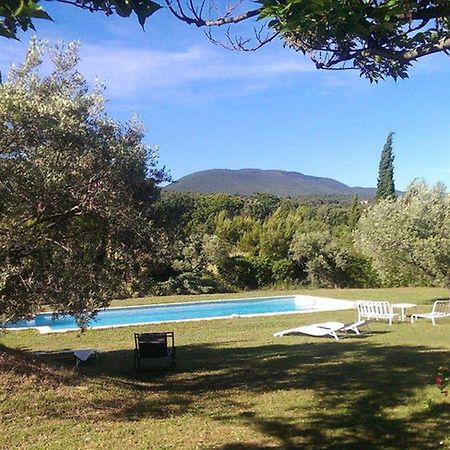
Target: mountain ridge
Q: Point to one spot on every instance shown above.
(250, 181)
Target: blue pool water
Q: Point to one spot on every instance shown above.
(176, 312)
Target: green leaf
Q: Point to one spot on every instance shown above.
(123, 7)
(144, 9)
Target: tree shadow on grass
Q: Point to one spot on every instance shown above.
(362, 392)
(23, 364)
(370, 387)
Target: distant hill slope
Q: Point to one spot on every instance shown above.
(276, 182)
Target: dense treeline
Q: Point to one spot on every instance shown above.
(224, 242)
(221, 242)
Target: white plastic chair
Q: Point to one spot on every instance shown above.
(441, 308)
(369, 310)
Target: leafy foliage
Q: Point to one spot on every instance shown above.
(246, 271)
(188, 283)
(378, 38)
(250, 247)
(76, 190)
(286, 271)
(328, 262)
(19, 14)
(408, 238)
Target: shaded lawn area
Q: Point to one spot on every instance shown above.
(235, 387)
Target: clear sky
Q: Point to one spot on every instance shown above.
(207, 107)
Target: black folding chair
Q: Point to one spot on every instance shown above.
(154, 345)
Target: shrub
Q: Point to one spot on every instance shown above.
(262, 270)
(246, 271)
(237, 271)
(285, 270)
(188, 283)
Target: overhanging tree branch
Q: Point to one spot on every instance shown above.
(379, 38)
(428, 49)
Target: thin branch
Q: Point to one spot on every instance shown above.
(197, 20)
(108, 9)
(240, 43)
(59, 244)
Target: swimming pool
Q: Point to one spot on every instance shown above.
(187, 311)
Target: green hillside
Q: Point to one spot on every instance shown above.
(277, 182)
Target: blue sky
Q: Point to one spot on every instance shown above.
(207, 107)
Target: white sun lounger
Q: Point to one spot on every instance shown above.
(323, 329)
(441, 308)
(82, 354)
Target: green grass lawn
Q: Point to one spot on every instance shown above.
(236, 386)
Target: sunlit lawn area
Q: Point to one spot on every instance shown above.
(236, 386)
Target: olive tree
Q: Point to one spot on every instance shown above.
(408, 238)
(76, 190)
(321, 258)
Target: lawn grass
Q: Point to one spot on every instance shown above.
(236, 386)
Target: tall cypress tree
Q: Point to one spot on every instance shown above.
(385, 186)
